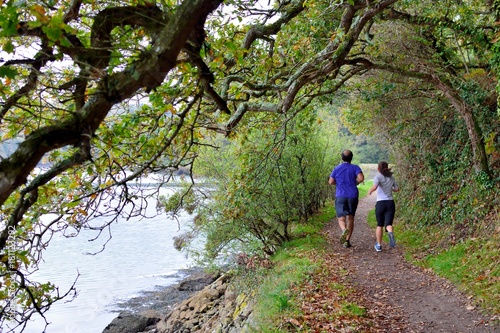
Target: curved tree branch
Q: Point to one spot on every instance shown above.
(261, 31)
(478, 149)
(73, 10)
(148, 72)
(335, 52)
(150, 17)
(45, 55)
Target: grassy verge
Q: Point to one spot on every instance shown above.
(300, 267)
(300, 272)
(293, 264)
(473, 265)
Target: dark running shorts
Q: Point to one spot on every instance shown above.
(346, 206)
(384, 212)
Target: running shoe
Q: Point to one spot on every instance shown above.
(392, 240)
(347, 244)
(343, 239)
(378, 248)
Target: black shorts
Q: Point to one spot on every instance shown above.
(384, 212)
(346, 206)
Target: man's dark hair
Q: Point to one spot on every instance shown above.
(347, 156)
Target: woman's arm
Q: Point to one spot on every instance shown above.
(395, 187)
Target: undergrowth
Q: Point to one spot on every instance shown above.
(296, 266)
(472, 264)
(463, 245)
(468, 258)
(448, 215)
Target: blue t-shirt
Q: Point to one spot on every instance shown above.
(345, 175)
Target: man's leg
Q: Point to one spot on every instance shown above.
(350, 225)
(353, 205)
(343, 228)
(339, 209)
(342, 223)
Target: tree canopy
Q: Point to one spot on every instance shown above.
(94, 95)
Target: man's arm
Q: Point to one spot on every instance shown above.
(359, 178)
(332, 181)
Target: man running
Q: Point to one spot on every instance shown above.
(346, 177)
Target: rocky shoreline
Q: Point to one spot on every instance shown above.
(201, 302)
(157, 303)
(162, 299)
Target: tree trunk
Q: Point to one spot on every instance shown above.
(480, 159)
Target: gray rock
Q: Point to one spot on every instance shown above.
(214, 309)
(196, 283)
(130, 323)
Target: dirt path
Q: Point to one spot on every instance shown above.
(419, 300)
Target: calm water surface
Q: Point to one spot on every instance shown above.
(139, 257)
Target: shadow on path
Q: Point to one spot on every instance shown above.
(425, 302)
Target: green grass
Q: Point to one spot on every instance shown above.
(292, 266)
(364, 187)
(352, 309)
(473, 264)
(275, 300)
(274, 297)
(372, 220)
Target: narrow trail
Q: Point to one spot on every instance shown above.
(417, 299)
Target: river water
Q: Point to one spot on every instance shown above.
(139, 257)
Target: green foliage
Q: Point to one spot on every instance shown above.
(7, 72)
(278, 179)
(431, 146)
(273, 295)
(183, 198)
(9, 20)
(71, 103)
(445, 193)
(368, 150)
(351, 122)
